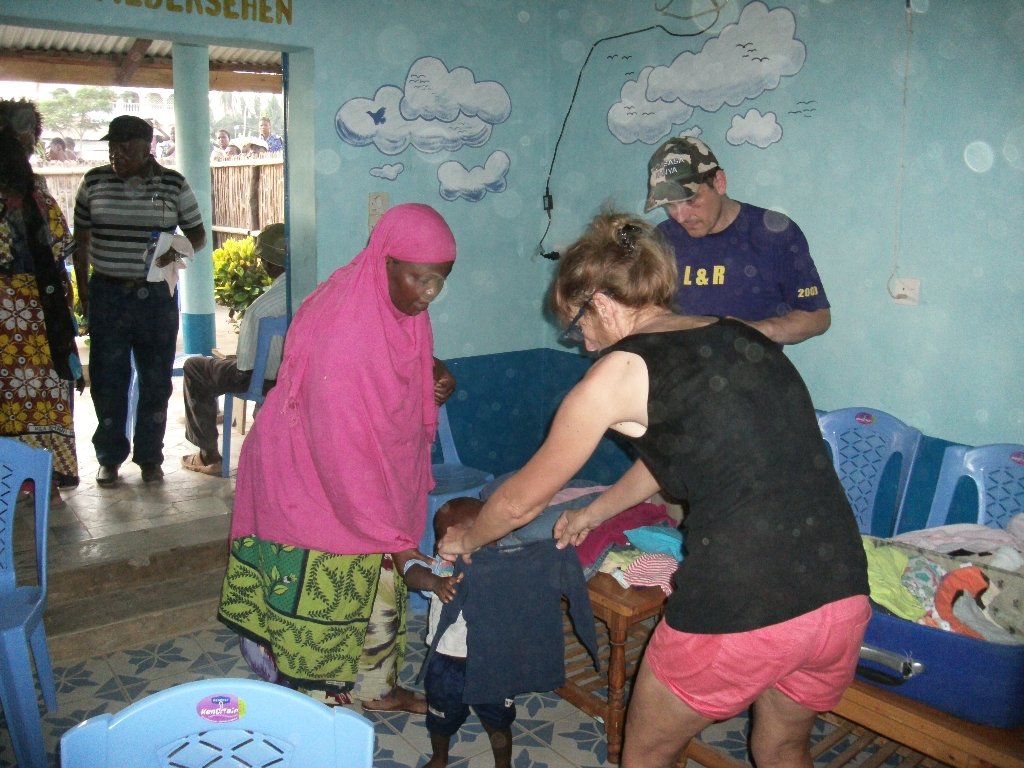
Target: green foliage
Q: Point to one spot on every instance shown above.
(238, 276)
(79, 112)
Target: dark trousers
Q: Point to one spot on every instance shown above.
(130, 318)
(206, 379)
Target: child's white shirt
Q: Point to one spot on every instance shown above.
(453, 641)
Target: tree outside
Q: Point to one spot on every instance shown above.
(78, 113)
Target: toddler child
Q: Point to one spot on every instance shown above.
(445, 675)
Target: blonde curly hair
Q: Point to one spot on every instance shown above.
(621, 255)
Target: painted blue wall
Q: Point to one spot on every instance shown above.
(900, 148)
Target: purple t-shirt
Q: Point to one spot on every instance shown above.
(758, 267)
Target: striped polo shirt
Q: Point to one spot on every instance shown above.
(123, 213)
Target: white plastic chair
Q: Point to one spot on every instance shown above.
(998, 474)
(269, 329)
(222, 723)
(22, 634)
(863, 442)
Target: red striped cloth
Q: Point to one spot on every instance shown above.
(652, 570)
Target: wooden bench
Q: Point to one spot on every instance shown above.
(876, 718)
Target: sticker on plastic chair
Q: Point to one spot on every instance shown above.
(864, 418)
(221, 708)
(1017, 457)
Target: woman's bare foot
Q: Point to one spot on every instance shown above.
(399, 700)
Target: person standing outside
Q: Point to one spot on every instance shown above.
(57, 151)
(735, 259)
(207, 378)
(221, 147)
(120, 210)
(274, 142)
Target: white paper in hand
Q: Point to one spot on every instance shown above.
(169, 273)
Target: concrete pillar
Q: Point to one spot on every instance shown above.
(192, 149)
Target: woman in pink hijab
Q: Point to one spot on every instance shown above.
(334, 476)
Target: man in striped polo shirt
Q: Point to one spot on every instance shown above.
(120, 210)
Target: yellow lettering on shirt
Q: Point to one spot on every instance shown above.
(702, 277)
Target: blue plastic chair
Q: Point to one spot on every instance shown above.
(863, 442)
(998, 474)
(269, 329)
(222, 723)
(452, 479)
(22, 606)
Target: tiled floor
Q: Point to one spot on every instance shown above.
(130, 519)
(548, 732)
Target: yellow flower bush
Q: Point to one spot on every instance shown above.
(238, 276)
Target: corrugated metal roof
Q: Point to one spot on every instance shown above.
(14, 38)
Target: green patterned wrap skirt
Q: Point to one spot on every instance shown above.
(324, 617)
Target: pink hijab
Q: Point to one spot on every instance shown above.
(339, 458)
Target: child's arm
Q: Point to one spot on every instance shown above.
(414, 567)
(416, 570)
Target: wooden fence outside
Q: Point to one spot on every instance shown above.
(247, 194)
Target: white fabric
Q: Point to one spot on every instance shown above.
(165, 242)
(272, 303)
(453, 641)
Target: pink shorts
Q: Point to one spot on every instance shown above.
(810, 658)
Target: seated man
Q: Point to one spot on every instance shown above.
(206, 378)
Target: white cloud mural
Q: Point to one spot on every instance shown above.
(473, 184)
(754, 128)
(438, 110)
(746, 59)
(388, 171)
(634, 118)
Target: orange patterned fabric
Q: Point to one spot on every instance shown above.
(35, 404)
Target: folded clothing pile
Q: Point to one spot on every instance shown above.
(945, 591)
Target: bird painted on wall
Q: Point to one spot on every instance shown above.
(378, 116)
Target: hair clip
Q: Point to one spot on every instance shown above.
(627, 236)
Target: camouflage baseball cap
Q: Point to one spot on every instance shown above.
(270, 245)
(675, 171)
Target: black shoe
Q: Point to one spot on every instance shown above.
(152, 473)
(107, 474)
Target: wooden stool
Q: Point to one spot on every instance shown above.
(628, 616)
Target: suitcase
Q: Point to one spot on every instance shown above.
(976, 680)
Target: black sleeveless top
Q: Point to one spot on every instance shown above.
(769, 534)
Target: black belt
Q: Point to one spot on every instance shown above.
(128, 282)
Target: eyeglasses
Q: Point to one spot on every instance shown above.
(573, 334)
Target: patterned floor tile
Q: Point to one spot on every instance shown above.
(157, 660)
(81, 679)
(581, 740)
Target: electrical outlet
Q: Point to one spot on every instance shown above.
(378, 203)
(907, 290)
(377, 206)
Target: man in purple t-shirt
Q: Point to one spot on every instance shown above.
(735, 259)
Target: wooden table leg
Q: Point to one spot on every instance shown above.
(617, 632)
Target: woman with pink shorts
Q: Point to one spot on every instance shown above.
(770, 601)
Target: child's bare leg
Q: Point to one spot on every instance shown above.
(501, 745)
(439, 744)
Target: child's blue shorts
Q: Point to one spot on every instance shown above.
(444, 683)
